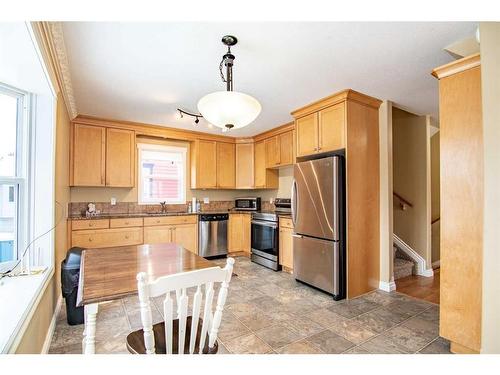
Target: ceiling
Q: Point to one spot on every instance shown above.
(144, 71)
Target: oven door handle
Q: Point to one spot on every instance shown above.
(265, 223)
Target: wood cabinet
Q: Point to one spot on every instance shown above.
(186, 235)
(264, 178)
(349, 120)
(213, 165)
(203, 164)
(286, 244)
(321, 131)
(88, 156)
(245, 166)
(102, 156)
(461, 152)
(239, 231)
(120, 157)
(226, 169)
(106, 237)
(279, 150)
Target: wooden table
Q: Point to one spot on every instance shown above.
(110, 273)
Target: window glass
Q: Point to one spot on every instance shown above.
(162, 174)
(8, 138)
(8, 225)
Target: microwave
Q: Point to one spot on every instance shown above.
(247, 204)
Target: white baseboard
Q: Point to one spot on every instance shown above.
(52, 327)
(436, 264)
(387, 286)
(420, 263)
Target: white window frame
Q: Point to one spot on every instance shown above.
(154, 147)
(21, 180)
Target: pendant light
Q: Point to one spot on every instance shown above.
(229, 109)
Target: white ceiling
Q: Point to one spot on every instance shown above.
(144, 71)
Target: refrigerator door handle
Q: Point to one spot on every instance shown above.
(294, 198)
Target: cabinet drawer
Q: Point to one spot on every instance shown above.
(106, 237)
(169, 220)
(286, 223)
(90, 224)
(125, 223)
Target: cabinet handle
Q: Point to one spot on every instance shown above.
(90, 239)
(127, 237)
(158, 221)
(91, 224)
(126, 223)
(319, 148)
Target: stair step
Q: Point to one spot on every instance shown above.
(402, 268)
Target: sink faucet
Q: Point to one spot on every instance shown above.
(163, 207)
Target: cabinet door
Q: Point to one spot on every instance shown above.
(120, 158)
(331, 128)
(307, 134)
(234, 233)
(286, 148)
(246, 232)
(272, 152)
(157, 234)
(260, 164)
(226, 169)
(89, 155)
(244, 166)
(286, 247)
(204, 173)
(186, 235)
(106, 237)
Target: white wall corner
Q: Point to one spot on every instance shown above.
(52, 328)
(387, 286)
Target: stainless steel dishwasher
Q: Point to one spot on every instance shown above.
(212, 235)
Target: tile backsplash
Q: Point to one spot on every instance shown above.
(105, 208)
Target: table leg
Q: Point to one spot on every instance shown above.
(90, 327)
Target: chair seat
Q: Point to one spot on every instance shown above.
(135, 340)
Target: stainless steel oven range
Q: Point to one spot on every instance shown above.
(265, 240)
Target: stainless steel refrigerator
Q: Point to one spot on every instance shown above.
(318, 215)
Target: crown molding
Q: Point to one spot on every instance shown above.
(457, 66)
(50, 39)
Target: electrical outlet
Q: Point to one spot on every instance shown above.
(206, 200)
(113, 201)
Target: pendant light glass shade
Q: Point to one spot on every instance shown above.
(226, 108)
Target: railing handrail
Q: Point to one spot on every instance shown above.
(404, 201)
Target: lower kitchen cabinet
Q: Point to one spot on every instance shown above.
(239, 232)
(106, 237)
(286, 243)
(185, 235)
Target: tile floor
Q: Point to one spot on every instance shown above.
(269, 312)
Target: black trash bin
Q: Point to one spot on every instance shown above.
(70, 273)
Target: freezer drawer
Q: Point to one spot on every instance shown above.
(317, 263)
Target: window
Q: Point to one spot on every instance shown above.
(13, 172)
(162, 174)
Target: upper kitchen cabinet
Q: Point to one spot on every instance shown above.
(226, 170)
(213, 165)
(88, 155)
(279, 150)
(264, 178)
(102, 156)
(245, 165)
(203, 164)
(120, 157)
(322, 130)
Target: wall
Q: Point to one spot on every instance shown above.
(410, 180)
(35, 334)
(102, 194)
(435, 201)
(490, 81)
(386, 206)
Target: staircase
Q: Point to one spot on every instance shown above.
(403, 265)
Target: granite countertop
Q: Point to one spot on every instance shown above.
(152, 214)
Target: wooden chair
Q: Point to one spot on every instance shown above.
(185, 334)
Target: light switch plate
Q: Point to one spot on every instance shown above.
(113, 201)
(206, 200)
